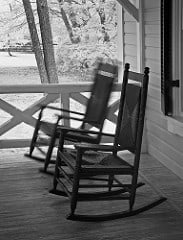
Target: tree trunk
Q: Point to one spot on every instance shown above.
(35, 41)
(9, 42)
(9, 51)
(102, 15)
(46, 35)
(67, 24)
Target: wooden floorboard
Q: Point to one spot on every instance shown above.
(29, 211)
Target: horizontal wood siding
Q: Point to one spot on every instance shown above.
(165, 146)
(162, 144)
(130, 41)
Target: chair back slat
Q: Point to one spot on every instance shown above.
(134, 76)
(128, 127)
(100, 94)
(131, 114)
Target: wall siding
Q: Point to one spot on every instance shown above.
(130, 41)
(161, 144)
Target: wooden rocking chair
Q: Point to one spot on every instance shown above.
(81, 177)
(96, 111)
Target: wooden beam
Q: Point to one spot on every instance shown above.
(14, 143)
(130, 8)
(52, 88)
(47, 40)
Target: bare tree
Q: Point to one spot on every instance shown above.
(35, 41)
(47, 41)
(74, 39)
(9, 42)
(102, 15)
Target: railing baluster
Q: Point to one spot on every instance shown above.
(65, 103)
(51, 93)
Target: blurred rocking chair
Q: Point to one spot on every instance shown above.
(81, 177)
(96, 111)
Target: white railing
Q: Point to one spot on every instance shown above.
(14, 116)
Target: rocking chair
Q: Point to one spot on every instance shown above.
(97, 166)
(94, 116)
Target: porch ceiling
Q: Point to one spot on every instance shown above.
(130, 8)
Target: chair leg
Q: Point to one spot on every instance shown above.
(51, 146)
(55, 182)
(110, 181)
(132, 195)
(73, 204)
(74, 196)
(75, 188)
(56, 173)
(49, 152)
(35, 134)
(34, 138)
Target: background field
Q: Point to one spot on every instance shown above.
(17, 70)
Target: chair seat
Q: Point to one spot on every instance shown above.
(80, 137)
(104, 163)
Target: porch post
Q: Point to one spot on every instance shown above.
(141, 37)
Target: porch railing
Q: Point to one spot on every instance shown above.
(12, 115)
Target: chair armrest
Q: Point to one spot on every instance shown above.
(78, 130)
(73, 118)
(62, 110)
(108, 134)
(70, 129)
(68, 117)
(94, 147)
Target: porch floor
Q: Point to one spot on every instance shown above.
(29, 212)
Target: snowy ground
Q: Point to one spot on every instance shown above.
(22, 69)
(17, 60)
